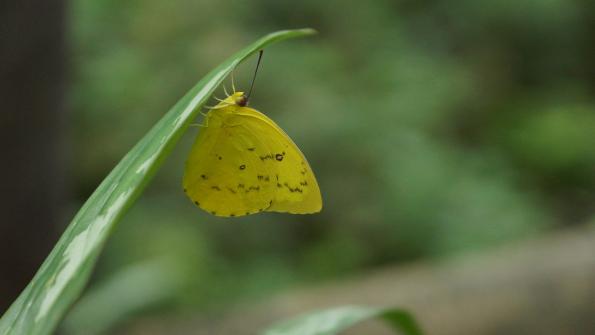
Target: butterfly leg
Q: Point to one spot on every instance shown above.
(225, 90)
(216, 107)
(233, 86)
(205, 125)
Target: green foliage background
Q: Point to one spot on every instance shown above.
(434, 128)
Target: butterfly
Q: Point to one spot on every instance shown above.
(243, 163)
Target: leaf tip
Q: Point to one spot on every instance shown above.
(308, 31)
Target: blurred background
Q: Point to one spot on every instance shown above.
(453, 142)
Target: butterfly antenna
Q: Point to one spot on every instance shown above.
(254, 77)
(225, 90)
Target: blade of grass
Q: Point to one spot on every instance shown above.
(63, 274)
(334, 320)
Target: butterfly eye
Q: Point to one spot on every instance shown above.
(242, 101)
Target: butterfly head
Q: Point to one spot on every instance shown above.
(237, 98)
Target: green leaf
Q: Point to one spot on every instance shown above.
(64, 273)
(332, 321)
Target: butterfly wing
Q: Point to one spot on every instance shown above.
(296, 189)
(221, 177)
(246, 164)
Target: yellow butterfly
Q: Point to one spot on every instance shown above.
(243, 163)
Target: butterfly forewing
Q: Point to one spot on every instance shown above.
(221, 177)
(296, 188)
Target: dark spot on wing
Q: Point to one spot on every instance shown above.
(279, 157)
(242, 167)
(216, 188)
(293, 189)
(251, 149)
(204, 177)
(265, 157)
(253, 188)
